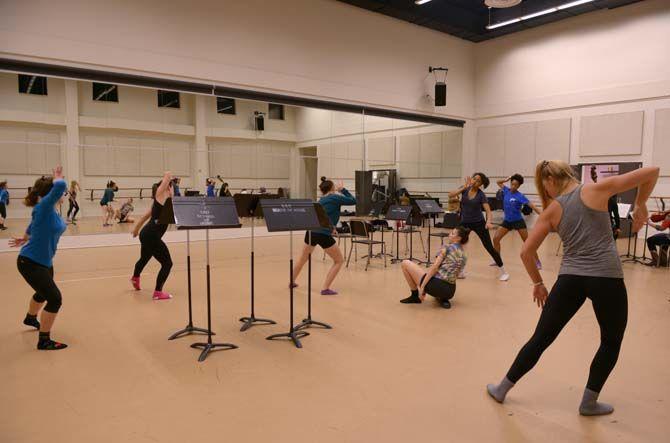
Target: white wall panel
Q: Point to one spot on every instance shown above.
(552, 140)
(611, 134)
(661, 154)
(381, 149)
(430, 148)
(519, 149)
(409, 148)
(491, 150)
(452, 153)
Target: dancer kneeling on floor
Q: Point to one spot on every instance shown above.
(151, 238)
(334, 197)
(35, 261)
(590, 268)
(440, 280)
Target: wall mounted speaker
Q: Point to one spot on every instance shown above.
(440, 94)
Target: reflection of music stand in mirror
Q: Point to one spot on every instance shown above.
(192, 193)
(324, 222)
(428, 208)
(290, 215)
(398, 213)
(206, 213)
(167, 218)
(247, 205)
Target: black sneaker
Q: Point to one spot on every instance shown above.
(411, 299)
(446, 304)
(50, 345)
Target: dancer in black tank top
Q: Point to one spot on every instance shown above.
(151, 238)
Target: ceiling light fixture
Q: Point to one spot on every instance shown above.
(537, 14)
(420, 2)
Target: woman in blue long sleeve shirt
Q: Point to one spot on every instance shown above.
(333, 199)
(35, 261)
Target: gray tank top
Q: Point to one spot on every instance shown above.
(588, 245)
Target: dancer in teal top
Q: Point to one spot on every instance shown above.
(35, 261)
(4, 201)
(334, 197)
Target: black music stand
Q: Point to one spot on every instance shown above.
(398, 213)
(324, 221)
(429, 208)
(246, 205)
(167, 218)
(206, 213)
(290, 215)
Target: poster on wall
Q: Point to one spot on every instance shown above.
(592, 172)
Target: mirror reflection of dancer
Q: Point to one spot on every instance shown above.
(106, 203)
(123, 213)
(4, 201)
(473, 200)
(440, 280)
(513, 200)
(209, 183)
(73, 208)
(590, 268)
(334, 197)
(35, 261)
(151, 238)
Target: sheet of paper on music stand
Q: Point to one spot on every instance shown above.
(205, 213)
(624, 209)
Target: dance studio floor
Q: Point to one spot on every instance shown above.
(387, 372)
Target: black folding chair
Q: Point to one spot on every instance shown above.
(360, 234)
(450, 221)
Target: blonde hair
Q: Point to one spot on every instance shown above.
(560, 171)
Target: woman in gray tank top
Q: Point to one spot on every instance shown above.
(590, 269)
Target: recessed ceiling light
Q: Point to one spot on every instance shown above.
(421, 2)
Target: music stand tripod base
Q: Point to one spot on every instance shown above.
(209, 347)
(188, 330)
(251, 321)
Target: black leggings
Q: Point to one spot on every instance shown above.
(480, 229)
(73, 205)
(154, 246)
(610, 304)
(41, 279)
(658, 240)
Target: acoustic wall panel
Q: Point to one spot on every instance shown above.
(338, 150)
(409, 148)
(381, 149)
(491, 150)
(519, 149)
(430, 148)
(611, 134)
(452, 153)
(552, 140)
(661, 155)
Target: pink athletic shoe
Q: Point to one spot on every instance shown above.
(328, 292)
(136, 283)
(161, 295)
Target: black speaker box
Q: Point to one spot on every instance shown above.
(260, 123)
(440, 94)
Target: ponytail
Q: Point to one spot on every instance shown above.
(41, 188)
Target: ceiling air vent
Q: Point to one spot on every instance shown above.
(501, 3)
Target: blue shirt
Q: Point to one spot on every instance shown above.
(471, 209)
(331, 204)
(512, 203)
(177, 192)
(108, 196)
(4, 196)
(45, 227)
(210, 191)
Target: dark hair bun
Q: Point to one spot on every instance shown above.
(323, 178)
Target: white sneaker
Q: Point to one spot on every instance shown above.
(461, 275)
(493, 264)
(504, 276)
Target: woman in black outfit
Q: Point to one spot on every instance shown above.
(473, 200)
(151, 239)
